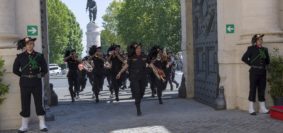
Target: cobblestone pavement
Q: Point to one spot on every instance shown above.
(174, 116)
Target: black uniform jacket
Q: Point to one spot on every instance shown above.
(257, 58)
(30, 64)
(98, 66)
(116, 66)
(137, 67)
(73, 68)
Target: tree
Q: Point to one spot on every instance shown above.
(63, 30)
(151, 22)
(109, 35)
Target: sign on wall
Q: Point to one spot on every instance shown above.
(32, 30)
(230, 28)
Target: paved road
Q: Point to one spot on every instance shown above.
(174, 116)
(61, 89)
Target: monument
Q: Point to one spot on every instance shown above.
(93, 30)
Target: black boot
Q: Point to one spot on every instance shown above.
(96, 97)
(97, 100)
(73, 95)
(160, 101)
(117, 99)
(73, 100)
(138, 106)
(117, 96)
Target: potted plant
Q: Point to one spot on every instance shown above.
(275, 77)
(3, 87)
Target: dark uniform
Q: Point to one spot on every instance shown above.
(257, 58)
(30, 67)
(107, 72)
(137, 77)
(73, 77)
(151, 80)
(98, 76)
(82, 79)
(115, 69)
(160, 85)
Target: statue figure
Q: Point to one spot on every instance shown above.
(92, 9)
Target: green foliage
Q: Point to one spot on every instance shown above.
(3, 88)
(275, 74)
(109, 34)
(63, 30)
(151, 22)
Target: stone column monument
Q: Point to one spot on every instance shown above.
(93, 35)
(93, 31)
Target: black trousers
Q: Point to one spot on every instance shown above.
(161, 86)
(31, 86)
(73, 83)
(116, 84)
(138, 88)
(257, 83)
(82, 80)
(108, 78)
(152, 83)
(98, 81)
(90, 77)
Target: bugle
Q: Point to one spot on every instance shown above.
(158, 72)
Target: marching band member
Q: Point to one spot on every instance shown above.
(72, 59)
(98, 70)
(117, 62)
(158, 61)
(136, 66)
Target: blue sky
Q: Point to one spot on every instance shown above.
(78, 7)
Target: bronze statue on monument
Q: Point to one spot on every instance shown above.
(92, 9)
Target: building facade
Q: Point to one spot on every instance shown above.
(215, 34)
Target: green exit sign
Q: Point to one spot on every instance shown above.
(230, 28)
(32, 30)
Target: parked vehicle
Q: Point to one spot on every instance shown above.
(55, 70)
(53, 65)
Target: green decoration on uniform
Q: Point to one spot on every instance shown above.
(261, 55)
(33, 63)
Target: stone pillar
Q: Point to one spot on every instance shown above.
(187, 45)
(9, 114)
(7, 17)
(261, 16)
(93, 35)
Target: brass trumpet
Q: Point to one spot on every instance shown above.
(159, 73)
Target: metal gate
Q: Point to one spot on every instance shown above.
(205, 50)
